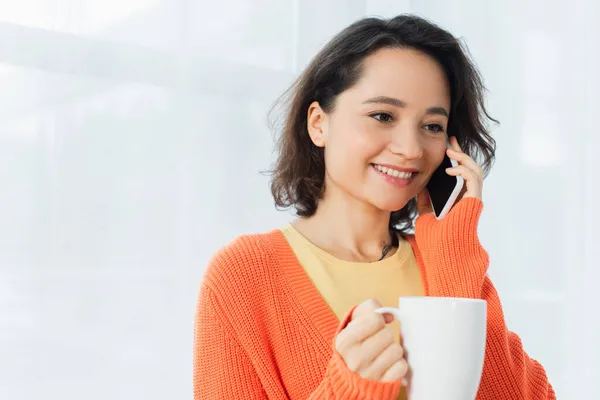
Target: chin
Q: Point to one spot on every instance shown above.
(390, 205)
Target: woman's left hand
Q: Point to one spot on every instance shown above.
(470, 171)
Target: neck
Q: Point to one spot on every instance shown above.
(348, 228)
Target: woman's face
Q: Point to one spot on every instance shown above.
(386, 134)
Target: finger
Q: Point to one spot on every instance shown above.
(373, 346)
(367, 307)
(467, 174)
(454, 144)
(359, 329)
(388, 318)
(383, 362)
(397, 371)
(424, 203)
(464, 159)
(473, 182)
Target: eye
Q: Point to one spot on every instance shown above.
(435, 128)
(383, 117)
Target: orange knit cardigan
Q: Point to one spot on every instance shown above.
(263, 331)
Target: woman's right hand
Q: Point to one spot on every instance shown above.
(367, 345)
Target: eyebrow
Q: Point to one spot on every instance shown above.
(401, 104)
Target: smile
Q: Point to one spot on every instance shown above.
(399, 179)
(392, 172)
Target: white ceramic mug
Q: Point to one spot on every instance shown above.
(444, 340)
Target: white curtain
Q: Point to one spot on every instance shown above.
(132, 134)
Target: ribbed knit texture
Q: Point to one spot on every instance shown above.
(263, 331)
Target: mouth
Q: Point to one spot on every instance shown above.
(395, 176)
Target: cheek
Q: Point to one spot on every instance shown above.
(353, 144)
(435, 155)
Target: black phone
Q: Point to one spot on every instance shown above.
(443, 188)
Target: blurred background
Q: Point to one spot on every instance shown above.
(132, 134)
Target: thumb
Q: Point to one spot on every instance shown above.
(424, 203)
(367, 307)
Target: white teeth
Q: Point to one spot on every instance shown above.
(393, 172)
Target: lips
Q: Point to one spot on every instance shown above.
(394, 176)
(393, 172)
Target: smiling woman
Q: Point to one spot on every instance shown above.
(399, 106)
(447, 89)
(290, 314)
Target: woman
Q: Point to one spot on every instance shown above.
(367, 124)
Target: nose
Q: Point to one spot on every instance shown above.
(407, 142)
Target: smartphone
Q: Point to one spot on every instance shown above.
(444, 189)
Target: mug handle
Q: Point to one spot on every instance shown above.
(396, 313)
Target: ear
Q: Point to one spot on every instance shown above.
(316, 124)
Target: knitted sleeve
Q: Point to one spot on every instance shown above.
(456, 266)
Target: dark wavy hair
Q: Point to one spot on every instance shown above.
(298, 175)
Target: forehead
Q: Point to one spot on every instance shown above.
(406, 74)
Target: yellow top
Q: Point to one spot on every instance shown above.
(344, 284)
